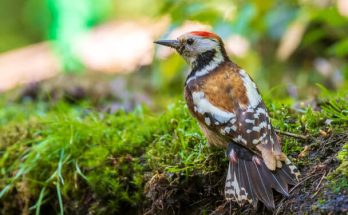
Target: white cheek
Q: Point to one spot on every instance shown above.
(204, 45)
(199, 47)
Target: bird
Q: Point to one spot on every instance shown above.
(232, 115)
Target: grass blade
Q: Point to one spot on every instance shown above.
(59, 194)
(39, 201)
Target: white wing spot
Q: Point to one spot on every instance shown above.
(234, 128)
(240, 139)
(250, 121)
(233, 120)
(260, 111)
(222, 131)
(256, 141)
(227, 129)
(260, 126)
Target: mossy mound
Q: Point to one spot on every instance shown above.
(70, 158)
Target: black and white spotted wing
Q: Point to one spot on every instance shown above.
(248, 127)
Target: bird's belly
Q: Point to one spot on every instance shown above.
(212, 138)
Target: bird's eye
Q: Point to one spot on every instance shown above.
(189, 41)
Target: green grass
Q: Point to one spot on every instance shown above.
(61, 155)
(67, 148)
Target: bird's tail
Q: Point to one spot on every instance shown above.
(249, 180)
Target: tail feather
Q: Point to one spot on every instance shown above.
(249, 180)
(284, 173)
(273, 179)
(261, 184)
(234, 190)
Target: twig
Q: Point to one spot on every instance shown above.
(303, 180)
(317, 188)
(316, 193)
(279, 206)
(320, 180)
(299, 136)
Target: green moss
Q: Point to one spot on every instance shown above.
(64, 155)
(179, 147)
(338, 184)
(107, 154)
(343, 157)
(339, 178)
(67, 146)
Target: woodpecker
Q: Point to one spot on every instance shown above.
(231, 113)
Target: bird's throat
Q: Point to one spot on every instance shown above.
(202, 60)
(204, 64)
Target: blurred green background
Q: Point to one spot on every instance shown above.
(82, 133)
(287, 46)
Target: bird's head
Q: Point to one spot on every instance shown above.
(197, 44)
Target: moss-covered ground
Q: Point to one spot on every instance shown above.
(59, 156)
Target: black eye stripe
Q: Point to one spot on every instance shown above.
(189, 41)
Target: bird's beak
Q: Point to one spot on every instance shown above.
(170, 43)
